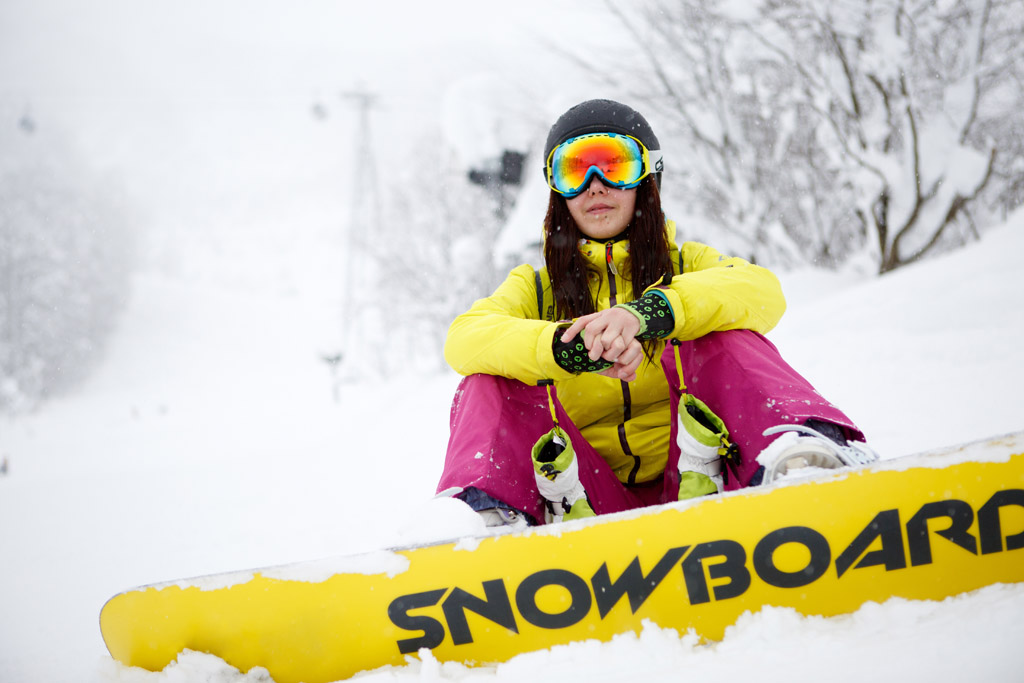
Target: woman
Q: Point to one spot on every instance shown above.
(631, 331)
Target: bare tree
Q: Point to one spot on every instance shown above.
(728, 144)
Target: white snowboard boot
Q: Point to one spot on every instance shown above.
(557, 474)
(809, 448)
(503, 518)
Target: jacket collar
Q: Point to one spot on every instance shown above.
(596, 251)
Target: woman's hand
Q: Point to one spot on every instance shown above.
(610, 334)
(626, 364)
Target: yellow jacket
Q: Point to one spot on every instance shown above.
(505, 335)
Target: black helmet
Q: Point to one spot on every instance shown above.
(603, 116)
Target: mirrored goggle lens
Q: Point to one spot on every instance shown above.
(618, 158)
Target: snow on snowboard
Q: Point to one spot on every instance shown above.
(922, 527)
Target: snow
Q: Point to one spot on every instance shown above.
(213, 439)
(209, 442)
(879, 642)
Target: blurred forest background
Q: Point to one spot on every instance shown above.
(858, 134)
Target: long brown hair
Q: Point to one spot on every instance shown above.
(649, 258)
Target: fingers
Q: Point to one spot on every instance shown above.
(626, 365)
(606, 334)
(632, 355)
(577, 326)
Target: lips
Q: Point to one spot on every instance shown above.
(600, 208)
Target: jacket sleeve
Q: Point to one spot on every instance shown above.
(502, 335)
(715, 293)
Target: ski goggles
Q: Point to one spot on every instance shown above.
(618, 160)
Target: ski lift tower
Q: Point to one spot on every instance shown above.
(364, 220)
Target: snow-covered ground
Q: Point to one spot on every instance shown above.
(212, 437)
(210, 440)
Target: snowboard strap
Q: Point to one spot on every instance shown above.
(699, 421)
(548, 384)
(543, 313)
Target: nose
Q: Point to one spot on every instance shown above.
(595, 185)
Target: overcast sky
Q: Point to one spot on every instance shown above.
(203, 109)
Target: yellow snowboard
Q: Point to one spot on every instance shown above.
(921, 527)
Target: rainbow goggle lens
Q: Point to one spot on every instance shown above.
(619, 160)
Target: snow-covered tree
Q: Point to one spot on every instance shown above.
(430, 257)
(64, 255)
(815, 129)
(909, 98)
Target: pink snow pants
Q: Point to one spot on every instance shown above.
(739, 374)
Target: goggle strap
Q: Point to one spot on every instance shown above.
(657, 161)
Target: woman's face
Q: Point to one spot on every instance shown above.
(601, 211)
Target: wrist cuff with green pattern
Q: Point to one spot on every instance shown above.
(654, 313)
(572, 356)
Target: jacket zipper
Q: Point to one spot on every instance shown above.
(627, 408)
(612, 272)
